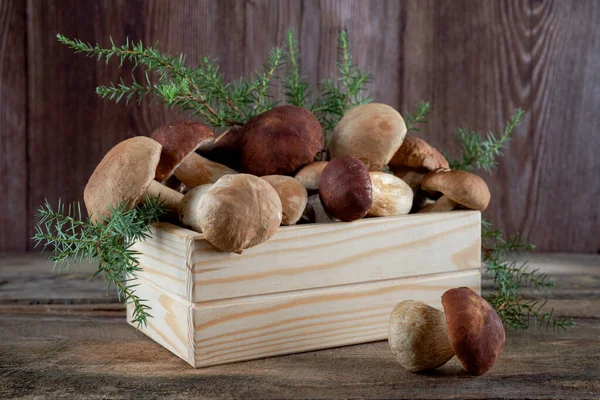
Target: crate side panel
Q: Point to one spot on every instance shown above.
(171, 324)
(342, 253)
(317, 319)
(166, 257)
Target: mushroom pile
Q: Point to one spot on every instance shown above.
(239, 188)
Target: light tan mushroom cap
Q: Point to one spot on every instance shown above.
(391, 195)
(371, 132)
(417, 153)
(310, 174)
(123, 176)
(293, 196)
(238, 212)
(418, 337)
(462, 187)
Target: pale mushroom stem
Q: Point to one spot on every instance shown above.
(444, 203)
(196, 170)
(171, 198)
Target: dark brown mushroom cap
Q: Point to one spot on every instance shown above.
(122, 177)
(179, 140)
(417, 153)
(464, 188)
(474, 329)
(345, 188)
(279, 141)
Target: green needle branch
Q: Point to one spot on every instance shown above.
(72, 240)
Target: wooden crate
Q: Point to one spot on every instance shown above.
(309, 287)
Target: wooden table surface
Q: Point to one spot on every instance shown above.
(62, 336)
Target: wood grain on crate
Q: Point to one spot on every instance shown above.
(261, 326)
(311, 256)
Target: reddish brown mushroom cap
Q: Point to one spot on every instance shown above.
(345, 188)
(227, 148)
(417, 153)
(474, 329)
(280, 141)
(179, 140)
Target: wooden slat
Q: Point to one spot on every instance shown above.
(13, 134)
(308, 256)
(312, 256)
(267, 325)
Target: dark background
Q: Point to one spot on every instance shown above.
(475, 61)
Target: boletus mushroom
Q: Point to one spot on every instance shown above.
(310, 174)
(475, 330)
(179, 141)
(371, 132)
(293, 197)
(391, 195)
(280, 141)
(418, 337)
(227, 148)
(458, 188)
(345, 189)
(125, 176)
(235, 213)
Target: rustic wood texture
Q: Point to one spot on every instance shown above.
(476, 61)
(13, 118)
(309, 287)
(67, 348)
(313, 255)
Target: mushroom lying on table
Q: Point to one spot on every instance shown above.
(421, 337)
(458, 188)
(124, 176)
(371, 132)
(235, 213)
(179, 141)
(475, 330)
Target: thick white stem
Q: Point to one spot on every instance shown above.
(442, 204)
(196, 170)
(171, 198)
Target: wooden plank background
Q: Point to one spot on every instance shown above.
(476, 61)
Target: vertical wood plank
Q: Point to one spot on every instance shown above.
(13, 115)
(563, 143)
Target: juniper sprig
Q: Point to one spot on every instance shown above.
(71, 239)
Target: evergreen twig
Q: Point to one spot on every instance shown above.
(72, 239)
(418, 116)
(296, 88)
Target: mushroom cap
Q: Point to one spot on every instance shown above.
(293, 196)
(464, 188)
(345, 189)
(279, 141)
(371, 132)
(122, 177)
(391, 195)
(179, 140)
(310, 174)
(417, 153)
(239, 211)
(417, 336)
(474, 329)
